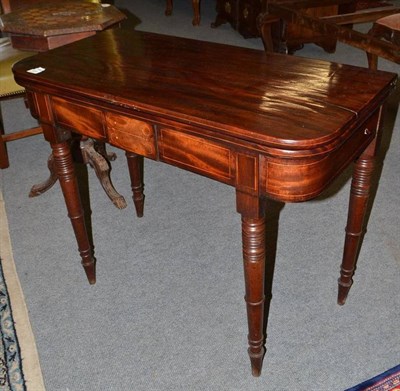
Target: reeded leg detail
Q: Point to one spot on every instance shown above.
(135, 165)
(64, 167)
(253, 236)
(359, 194)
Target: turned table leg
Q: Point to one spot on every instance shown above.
(64, 167)
(358, 204)
(135, 165)
(253, 239)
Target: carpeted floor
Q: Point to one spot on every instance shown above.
(19, 362)
(167, 312)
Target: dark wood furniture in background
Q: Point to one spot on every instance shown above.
(270, 126)
(294, 36)
(241, 14)
(244, 16)
(196, 11)
(286, 25)
(337, 27)
(386, 29)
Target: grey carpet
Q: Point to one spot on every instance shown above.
(167, 312)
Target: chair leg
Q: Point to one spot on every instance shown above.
(196, 12)
(373, 58)
(372, 61)
(385, 33)
(168, 10)
(4, 163)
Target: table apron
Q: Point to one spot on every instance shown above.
(234, 162)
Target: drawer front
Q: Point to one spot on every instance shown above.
(131, 135)
(196, 154)
(83, 119)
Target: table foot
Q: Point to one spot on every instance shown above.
(343, 290)
(135, 165)
(359, 195)
(90, 271)
(256, 360)
(42, 187)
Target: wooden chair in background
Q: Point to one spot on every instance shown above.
(381, 41)
(386, 29)
(9, 89)
(196, 11)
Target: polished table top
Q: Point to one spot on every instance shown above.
(271, 126)
(277, 101)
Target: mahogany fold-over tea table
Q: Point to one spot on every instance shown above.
(271, 126)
